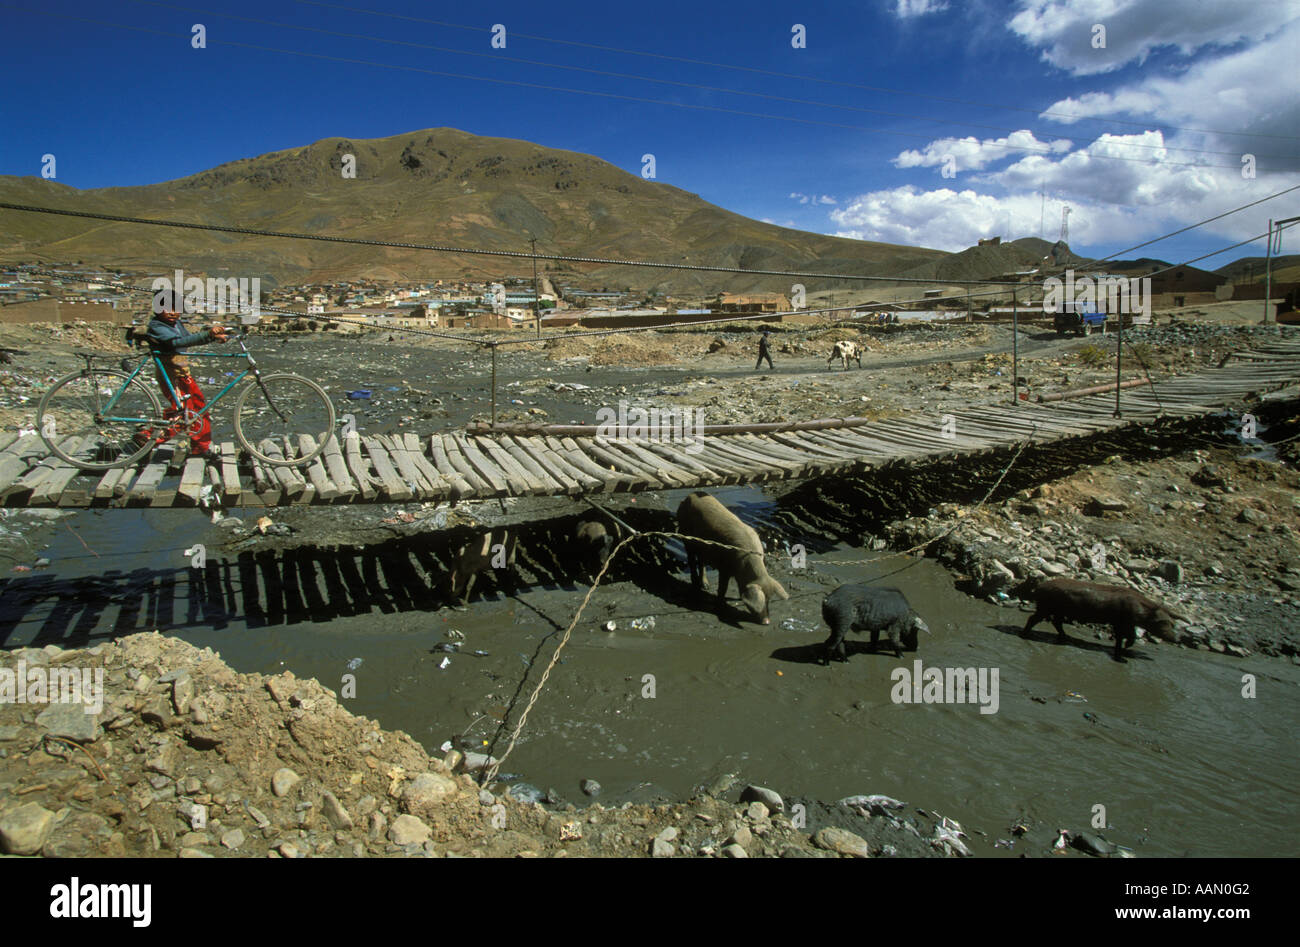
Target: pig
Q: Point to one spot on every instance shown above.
(1088, 603)
(494, 549)
(873, 609)
(703, 517)
(594, 544)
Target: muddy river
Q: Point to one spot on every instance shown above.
(1181, 761)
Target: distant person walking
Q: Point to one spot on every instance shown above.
(764, 352)
(167, 336)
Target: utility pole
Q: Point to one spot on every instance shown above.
(1268, 258)
(537, 302)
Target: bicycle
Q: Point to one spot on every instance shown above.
(99, 418)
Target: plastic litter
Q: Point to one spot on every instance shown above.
(354, 664)
(443, 665)
(610, 626)
(361, 394)
(643, 624)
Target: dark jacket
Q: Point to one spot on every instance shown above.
(168, 338)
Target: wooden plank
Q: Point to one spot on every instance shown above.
(393, 485)
(316, 473)
(460, 487)
(405, 465)
(292, 483)
(48, 492)
(338, 469)
(265, 486)
(515, 471)
(18, 459)
(437, 483)
(451, 447)
(230, 487)
(546, 463)
(556, 455)
(662, 469)
(143, 491)
(359, 466)
(488, 470)
(780, 469)
(610, 476)
(192, 480)
(704, 474)
(604, 451)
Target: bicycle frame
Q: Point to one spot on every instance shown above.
(156, 358)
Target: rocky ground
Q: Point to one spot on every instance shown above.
(189, 759)
(1213, 533)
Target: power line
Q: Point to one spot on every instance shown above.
(503, 57)
(788, 75)
(587, 92)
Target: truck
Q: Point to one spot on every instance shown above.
(1080, 318)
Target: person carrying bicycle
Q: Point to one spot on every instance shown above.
(166, 336)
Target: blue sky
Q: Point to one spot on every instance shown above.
(926, 122)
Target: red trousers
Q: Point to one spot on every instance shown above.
(200, 429)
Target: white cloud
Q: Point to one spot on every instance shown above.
(1246, 92)
(812, 198)
(1112, 201)
(1065, 29)
(970, 154)
(905, 9)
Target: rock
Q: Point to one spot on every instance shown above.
(289, 850)
(1100, 505)
(259, 817)
(742, 837)
(767, 797)
(78, 836)
(1092, 844)
(1055, 568)
(661, 849)
(1169, 570)
(735, 851)
(233, 839)
(71, 722)
(23, 830)
(335, 814)
(756, 812)
(843, 842)
(590, 787)
(1140, 565)
(284, 780)
(1210, 475)
(162, 759)
(426, 791)
(473, 762)
(183, 693)
(408, 830)
(1253, 517)
(10, 732)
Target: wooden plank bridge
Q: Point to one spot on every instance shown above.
(556, 460)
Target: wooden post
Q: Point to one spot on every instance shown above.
(1015, 345)
(494, 383)
(1119, 359)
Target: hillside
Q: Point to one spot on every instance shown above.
(440, 186)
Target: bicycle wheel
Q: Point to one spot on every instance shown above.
(280, 408)
(75, 421)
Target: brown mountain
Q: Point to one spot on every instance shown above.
(438, 186)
